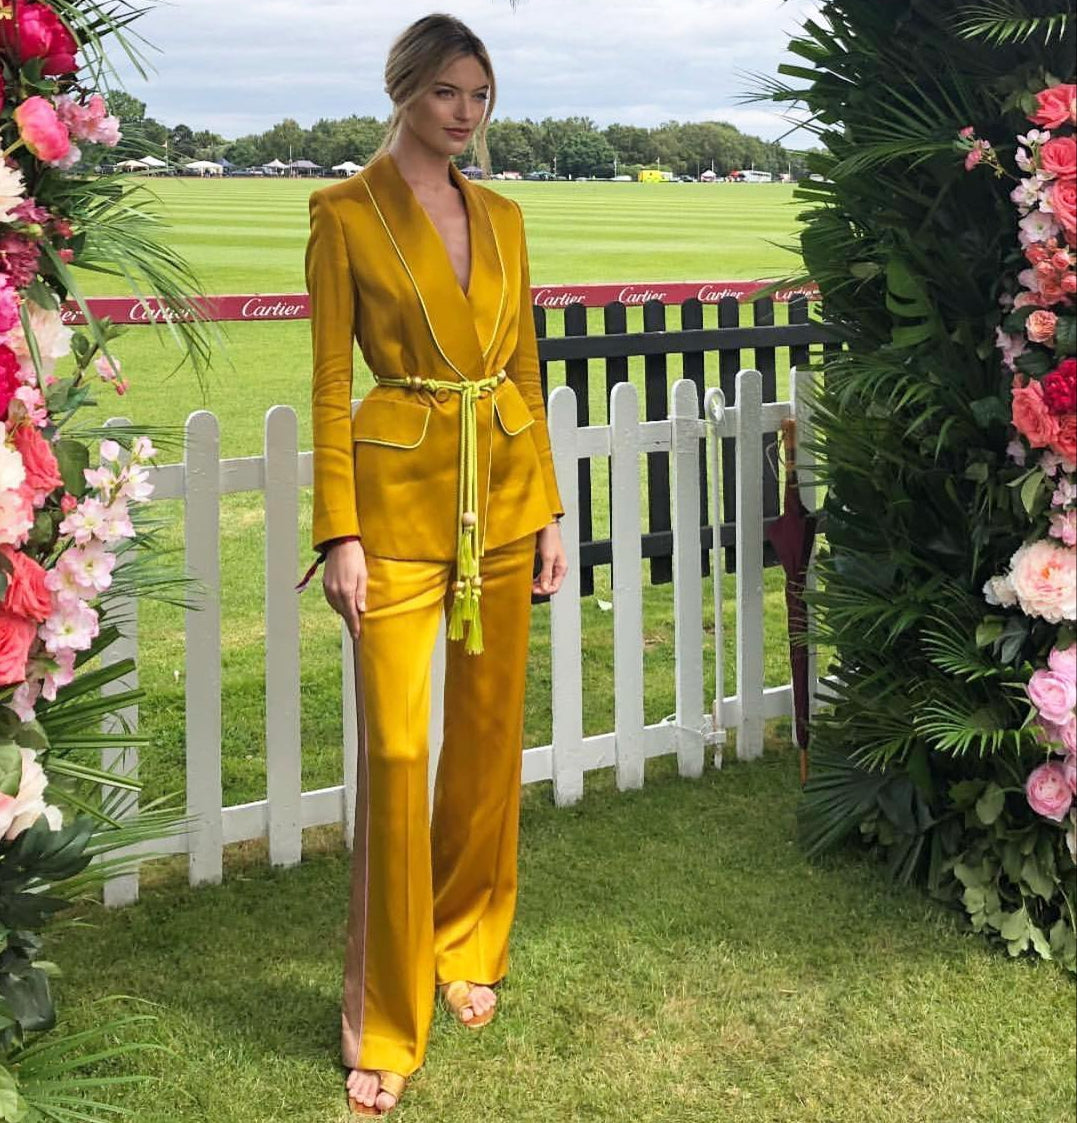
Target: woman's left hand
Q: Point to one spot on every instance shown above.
(551, 553)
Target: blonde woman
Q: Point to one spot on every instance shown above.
(433, 499)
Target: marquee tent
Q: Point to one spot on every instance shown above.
(349, 167)
(205, 167)
(153, 162)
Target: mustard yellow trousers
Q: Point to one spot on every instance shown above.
(432, 898)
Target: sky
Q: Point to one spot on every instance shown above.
(240, 66)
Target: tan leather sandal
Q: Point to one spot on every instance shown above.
(457, 996)
(391, 1083)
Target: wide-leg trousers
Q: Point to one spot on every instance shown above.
(432, 897)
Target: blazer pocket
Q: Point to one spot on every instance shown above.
(394, 424)
(512, 411)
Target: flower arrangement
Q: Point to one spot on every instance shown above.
(73, 536)
(1037, 343)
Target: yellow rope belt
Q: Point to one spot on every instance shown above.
(465, 617)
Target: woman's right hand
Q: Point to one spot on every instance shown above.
(344, 582)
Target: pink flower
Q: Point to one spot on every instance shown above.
(85, 521)
(90, 567)
(42, 472)
(1011, 346)
(1040, 326)
(90, 121)
(1064, 527)
(22, 701)
(26, 594)
(1055, 106)
(9, 378)
(16, 636)
(9, 306)
(41, 130)
(1060, 386)
(1052, 696)
(1069, 771)
(1063, 661)
(29, 405)
(1048, 791)
(967, 133)
(1063, 196)
(1065, 442)
(1044, 577)
(1058, 157)
(72, 625)
(16, 515)
(34, 30)
(1037, 226)
(52, 671)
(1031, 417)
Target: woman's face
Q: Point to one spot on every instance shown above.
(444, 118)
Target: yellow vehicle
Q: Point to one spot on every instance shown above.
(654, 175)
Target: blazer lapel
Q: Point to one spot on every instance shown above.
(423, 257)
(487, 287)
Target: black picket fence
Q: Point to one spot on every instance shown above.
(656, 344)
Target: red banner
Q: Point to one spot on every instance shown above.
(294, 306)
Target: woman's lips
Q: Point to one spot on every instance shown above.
(459, 134)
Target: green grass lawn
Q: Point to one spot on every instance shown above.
(675, 959)
(249, 236)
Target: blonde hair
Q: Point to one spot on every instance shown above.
(420, 53)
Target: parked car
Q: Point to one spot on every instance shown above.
(538, 175)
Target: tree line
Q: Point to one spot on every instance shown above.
(572, 146)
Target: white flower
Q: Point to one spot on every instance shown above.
(12, 190)
(1034, 137)
(1024, 160)
(1027, 194)
(1037, 227)
(21, 811)
(110, 450)
(998, 592)
(53, 338)
(12, 469)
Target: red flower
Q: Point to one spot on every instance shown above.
(36, 31)
(26, 592)
(1060, 387)
(1058, 157)
(18, 259)
(9, 377)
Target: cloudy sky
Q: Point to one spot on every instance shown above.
(239, 66)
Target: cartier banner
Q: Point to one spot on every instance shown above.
(293, 306)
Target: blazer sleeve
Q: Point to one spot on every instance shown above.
(333, 324)
(523, 369)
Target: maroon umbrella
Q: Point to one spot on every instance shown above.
(792, 536)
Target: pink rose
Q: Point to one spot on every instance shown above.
(41, 130)
(1055, 106)
(1041, 326)
(1031, 417)
(1052, 696)
(42, 472)
(37, 32)
(1069, 771)
(26, 592)
(1058, 157)
(1048, 791)
(1044, 577)
(16, 635)
(1063, 196)
(1063, 661)
(1065, 442)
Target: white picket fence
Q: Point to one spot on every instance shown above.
(202, 478)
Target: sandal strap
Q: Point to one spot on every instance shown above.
(457, 994)
(392, 1083)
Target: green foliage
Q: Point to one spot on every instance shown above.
(924, 748)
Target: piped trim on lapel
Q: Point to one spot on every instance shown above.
(453, 317)
(486, 263)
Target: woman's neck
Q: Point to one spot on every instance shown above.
(419, 165)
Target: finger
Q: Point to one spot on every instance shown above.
(546, 574)
(360, 591)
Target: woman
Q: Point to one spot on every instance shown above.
(434, 497)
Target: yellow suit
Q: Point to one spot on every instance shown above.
(445, 466)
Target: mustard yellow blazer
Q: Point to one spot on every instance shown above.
(378, 273)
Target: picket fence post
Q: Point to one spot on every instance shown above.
(626, 531)
(686, 429)
(749, 564)
(121, 803)
(565, 617)
(202, 478)
(284, 779)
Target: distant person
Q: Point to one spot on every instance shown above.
(434, 498)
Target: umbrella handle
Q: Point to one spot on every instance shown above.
(789, 449)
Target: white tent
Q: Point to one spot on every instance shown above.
(131, 166)
(349, 167)
(205, 167)
(153, 162)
